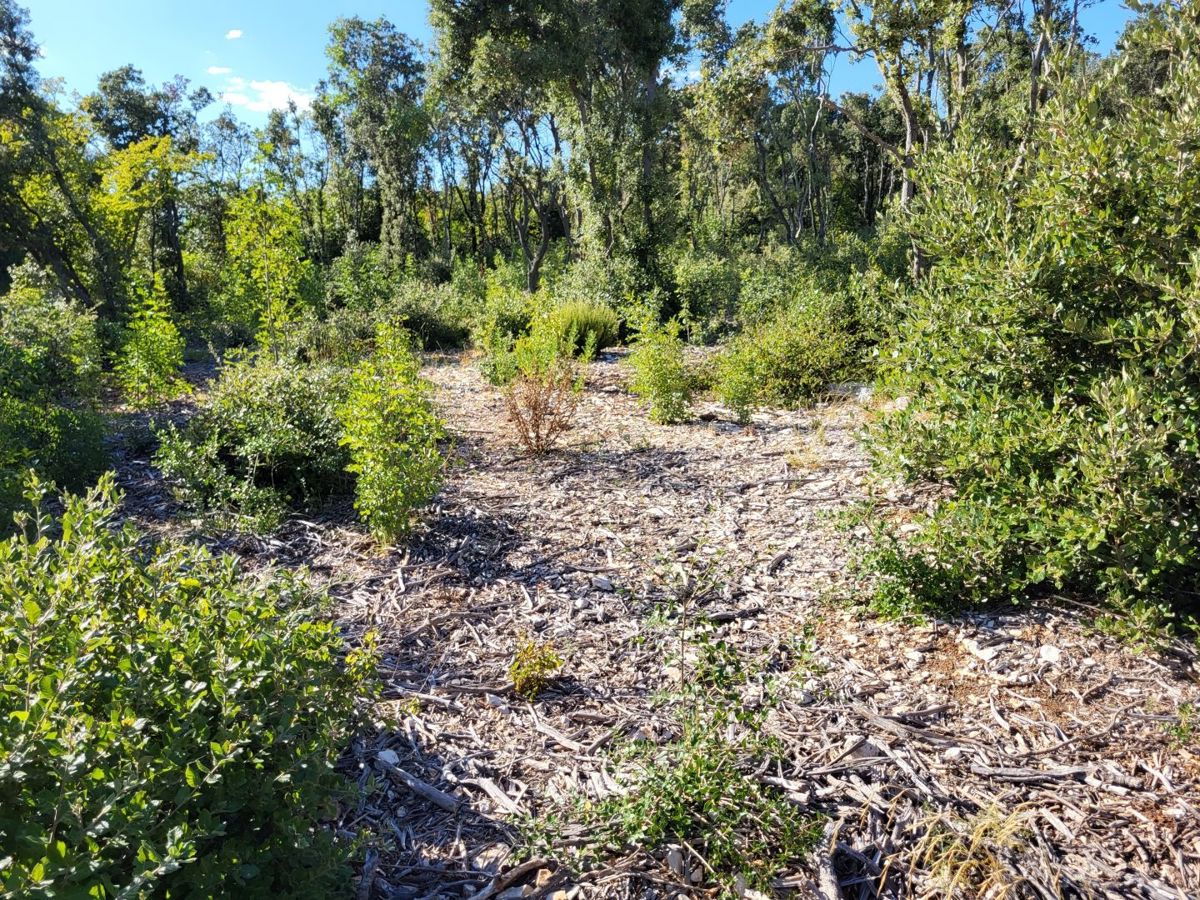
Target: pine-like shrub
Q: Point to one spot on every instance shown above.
(582, 324)
(151, 354)
(392, 431)
(1049, 359)
(167, 728)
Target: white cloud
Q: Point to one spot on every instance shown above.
(219, 70)
(233, 34)
(264, 96)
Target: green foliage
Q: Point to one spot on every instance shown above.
(531, 667)
(436, 314)
(268, 280)
(700, 789)
(266, 440)
(49, 381)
(661, 376)
(793, 357)
(614, 282)
(167, 728)
(706, 287)
(581, 325)
(1049, 358)
(151, 355)
(392, 431)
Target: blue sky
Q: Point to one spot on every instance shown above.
(255, 55)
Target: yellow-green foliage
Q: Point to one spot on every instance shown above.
(392, 431)
(583, 324)
(151, 355)
(532, 665)
(661, 376)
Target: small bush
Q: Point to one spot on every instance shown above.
(265, 441)
(701, 790)
(151, 355)
(392, 431)
(707, 290)
(167, 728)
(581, 325)
(532, 665)
(661, 375)
(544, 392)
(792, 358)
(435, 313)
(49, 382)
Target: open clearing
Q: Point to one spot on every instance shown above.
(1017, 749)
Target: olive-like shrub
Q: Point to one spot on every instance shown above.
(50, 364)
(1049, 358)
(168, 728)
(266, 440)
(793, 357)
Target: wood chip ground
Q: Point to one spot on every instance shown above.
(1022, 738)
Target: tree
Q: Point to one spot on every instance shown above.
(372, 100)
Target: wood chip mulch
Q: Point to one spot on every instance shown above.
(1010, 752)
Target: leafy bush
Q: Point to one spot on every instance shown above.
(531, 667)
(390, 426)
(436, 314)
(167, 728)
(707, 289)
(615, 282)
(266, 440)
(792, 358)
(581, 325)
(661, 375)
(1049, 358)
(147, 368)
(49, 381)
(543, 394)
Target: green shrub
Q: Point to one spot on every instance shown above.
(151, 355)
(49, 382)
(615, 282)
(358, 278)
(167, 728)
(661, 376)
(265, 441)
(582, 324)
(437, 314)
(700, 789)
(706, 286)
(506, 314)
(392, 431)
(792, 358)
(1049, 357)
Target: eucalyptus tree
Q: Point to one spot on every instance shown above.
(372, 106)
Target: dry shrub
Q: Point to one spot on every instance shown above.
(541, 408)
(543, 394)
